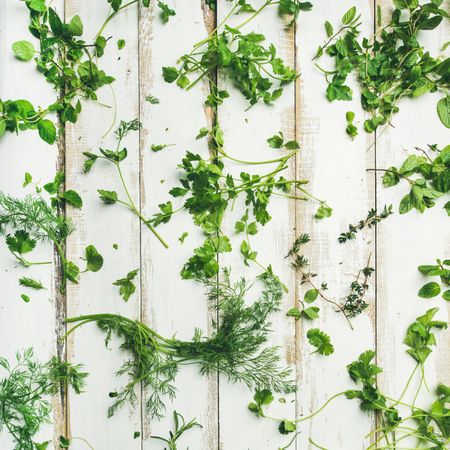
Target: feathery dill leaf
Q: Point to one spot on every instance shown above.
(235, 347)
(24, 390)
(36, 221)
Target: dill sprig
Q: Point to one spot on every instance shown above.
(24, 392)
(234, 348)
(37, 221)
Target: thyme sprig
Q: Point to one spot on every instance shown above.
(301, 264)
(371, 220)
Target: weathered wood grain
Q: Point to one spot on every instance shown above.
(245, 134)
(408, 241)
(33, 324)
(171, 305)
(104, 225)
(336, 167)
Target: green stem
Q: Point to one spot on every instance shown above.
(136, 211)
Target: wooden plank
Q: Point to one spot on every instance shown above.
(104, 226)
(170, 304)
(408, 241)
(336, 167)
(34, 323)
(245, 134)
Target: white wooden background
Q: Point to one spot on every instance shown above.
(337, 168)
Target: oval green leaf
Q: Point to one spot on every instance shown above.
(429, 290)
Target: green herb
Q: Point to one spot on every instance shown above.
(301, 264)
(121, 44)
(152, 100)
(20, 244)
(372, 219)
(31, 283)
(321, 341)
(293, 8)
(28, 179)
(355, 303)
(432, 289)
(309, 313)
(351, 129)
(94, 261)
(23, 50)
(390, 65)
(428, 178)
(261, 398)
(25, 298)
(209, 192)
(36, 221)
(126, 285)
(166, 12)
(180, 428)
(233, 349)
(59, 196)
(115, 157)
(68, 63)
(26, 387)
(183, 237)
(250, 66)
(158, 147)
(428, 426)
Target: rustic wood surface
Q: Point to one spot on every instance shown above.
(339, 170)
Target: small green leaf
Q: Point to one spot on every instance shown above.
(72, 198)
(348, 17)
(23, 50)
(75, 26)
(47, 131)
(93, 259)
(109, 197)
(446, 295)
(121, 44)
(443, 109)
(25, 298)
(429, 290)
(286, 427)
(126, 286)
(311, 295)
(276, 141)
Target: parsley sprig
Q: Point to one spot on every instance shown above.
(209, 192)
(430, 426)
(115, 157)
